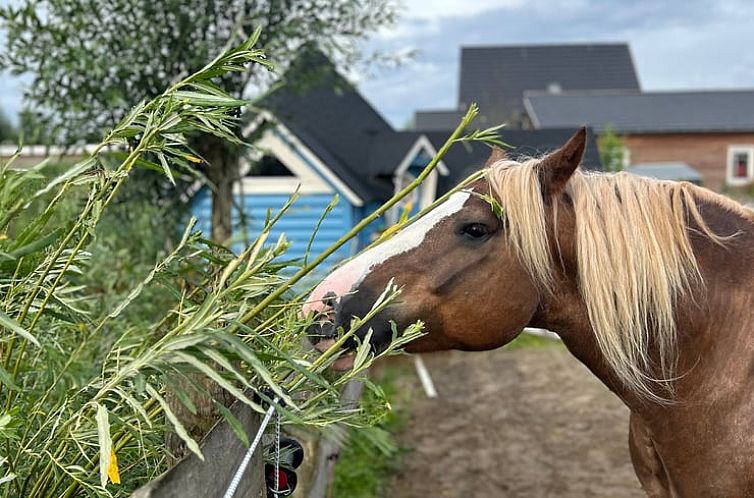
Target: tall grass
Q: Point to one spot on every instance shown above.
(83, 377)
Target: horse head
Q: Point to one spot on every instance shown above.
(457, 267)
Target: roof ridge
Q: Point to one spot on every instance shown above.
(546, 45)
(634, 93)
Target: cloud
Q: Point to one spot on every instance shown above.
(676, 44)
(433, 9)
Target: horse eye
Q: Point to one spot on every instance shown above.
(475, 230)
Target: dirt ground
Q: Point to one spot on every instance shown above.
(528, 423)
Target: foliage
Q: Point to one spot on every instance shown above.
(90, 58)
(35, 128)
(370, 456)
(82, 378)
(612, 150)
(7, 130)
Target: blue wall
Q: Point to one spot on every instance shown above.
(298, 223)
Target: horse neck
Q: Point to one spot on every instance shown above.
(719, 313)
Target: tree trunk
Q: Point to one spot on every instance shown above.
(222, 174)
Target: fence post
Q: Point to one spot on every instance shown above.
(223, 451)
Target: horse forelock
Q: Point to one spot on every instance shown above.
(634, 257)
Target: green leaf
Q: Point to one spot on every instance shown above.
(183, 396)
(214, 375)
(38, 244)
(234, 423)
(203, 99)
(7, 379)
(363, 351)
(180, 430)
(133, 403)
(71, 173)
(105, 442)
(11, 324)
(166, 167)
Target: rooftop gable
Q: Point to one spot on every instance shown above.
(496, 77)
(328, 114)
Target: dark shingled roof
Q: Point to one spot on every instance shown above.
(463, 161)
(388, 150)
(658, 112)
(496, 77)
(437, 120)
(331, 118)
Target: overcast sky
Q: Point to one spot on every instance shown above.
(676, 44)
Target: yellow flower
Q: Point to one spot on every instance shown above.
(193, 159)
(112, 471)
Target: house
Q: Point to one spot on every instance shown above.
(710, 131)
(318, 132)
(496, 78)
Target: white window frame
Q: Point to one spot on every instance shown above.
(732, 151)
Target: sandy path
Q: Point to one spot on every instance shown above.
(523, 423)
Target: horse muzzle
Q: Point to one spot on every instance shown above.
(334, 313)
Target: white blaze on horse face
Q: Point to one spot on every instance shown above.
(349, 276)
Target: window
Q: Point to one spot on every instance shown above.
(740, 168)
(269, 166)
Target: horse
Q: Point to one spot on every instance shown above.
(648, 283)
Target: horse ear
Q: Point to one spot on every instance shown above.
(496, 155)
(558, 166)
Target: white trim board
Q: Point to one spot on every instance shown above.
(276, 185)
(312, 158)
(530, 111)
(8, 150)
(310, 181)
(421, 143)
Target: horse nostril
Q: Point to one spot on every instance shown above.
(329, 299)
(323, 326)
(320, 330)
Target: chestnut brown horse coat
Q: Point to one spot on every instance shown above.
(650, 284)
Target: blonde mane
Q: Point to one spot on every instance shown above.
(635, 259)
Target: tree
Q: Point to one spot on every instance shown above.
(90, 58)
(7, 131)
(34, 128)
(612, 150)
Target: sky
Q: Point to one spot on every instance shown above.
(676, 44)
